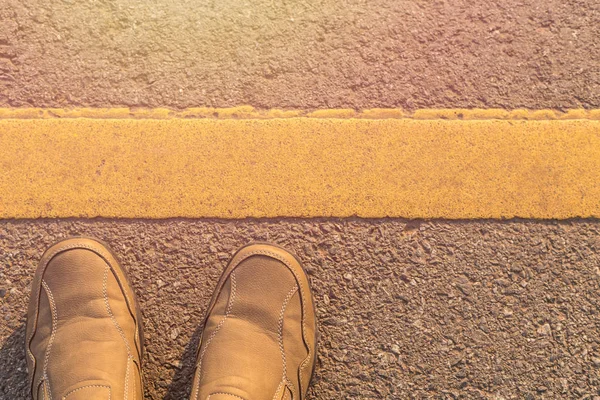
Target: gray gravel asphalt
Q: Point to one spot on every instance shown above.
(407, 309)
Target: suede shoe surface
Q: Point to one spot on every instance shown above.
(259, 337)
(84, 334)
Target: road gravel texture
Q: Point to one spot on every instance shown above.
(407, 309)
(300, 54)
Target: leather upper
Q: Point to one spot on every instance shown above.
(259, 337)
(84, 335)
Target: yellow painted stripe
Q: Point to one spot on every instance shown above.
(300, 167)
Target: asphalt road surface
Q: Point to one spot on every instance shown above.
(407, 309)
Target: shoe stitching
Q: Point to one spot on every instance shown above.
(227, 312)
(304, 364)
(280, 334)
(226, 394)
(47, 394)
(30, 354)
(49, 258)
(133, 391)
(116, 324)
(276, 256)
(104, 255)
(47, 391)
(52, 335)
(290, 386)
(88, 386)
(277, 390)
(126, 392)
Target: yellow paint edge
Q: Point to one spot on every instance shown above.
(248, 112)
(320, 166)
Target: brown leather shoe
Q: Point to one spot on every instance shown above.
(259, 338)
(84, 333)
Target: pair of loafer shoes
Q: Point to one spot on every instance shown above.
(84, 338)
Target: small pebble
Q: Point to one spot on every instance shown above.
(544, 330)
